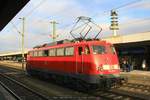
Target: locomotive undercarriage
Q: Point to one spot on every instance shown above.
(108, 83)
(103, 83)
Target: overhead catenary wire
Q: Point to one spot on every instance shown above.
(37, 6)
(136, 21)
(69, 25)
(127, 4)
(116, 8)
(131, 22)
(108, 11)
(29, 13)
(14, 26)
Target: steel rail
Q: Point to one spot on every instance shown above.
(10, 91)
(114, 95)
(138, 86)
(21, 85)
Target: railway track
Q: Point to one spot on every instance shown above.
(17, 76)
(143, 88)
(20, 91)
(129, 91)
(114, 94)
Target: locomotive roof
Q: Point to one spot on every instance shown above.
(63, 43)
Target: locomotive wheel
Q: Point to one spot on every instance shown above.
(85, 87)
(65, 80)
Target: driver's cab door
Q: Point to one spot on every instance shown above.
(81, 58)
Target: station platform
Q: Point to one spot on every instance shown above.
(137, 72)
(12, 64)
(137, 76)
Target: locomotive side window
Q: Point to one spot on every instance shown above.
(45, 53)
(69, 51)
(52, 52)
(60, 51)
(31, 53)
(80, 49)
(40, 53)
(35, 53)
(97, 49)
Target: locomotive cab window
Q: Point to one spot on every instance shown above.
(87, 50)
(113, 49)
(97, 49)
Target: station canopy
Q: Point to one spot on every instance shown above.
(8, 9)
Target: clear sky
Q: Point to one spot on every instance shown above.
(133, 18)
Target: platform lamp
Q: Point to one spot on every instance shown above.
(22, 35)
(114, 22)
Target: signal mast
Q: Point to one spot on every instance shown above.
(114, 22)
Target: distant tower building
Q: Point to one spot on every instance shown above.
(114, 22)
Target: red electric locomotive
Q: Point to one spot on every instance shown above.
(92, 62)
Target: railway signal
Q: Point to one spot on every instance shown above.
(114, 22)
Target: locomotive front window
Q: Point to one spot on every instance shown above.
(112, 49)
(97, 49)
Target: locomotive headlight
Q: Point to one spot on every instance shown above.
(109, 67)
(106, 67)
